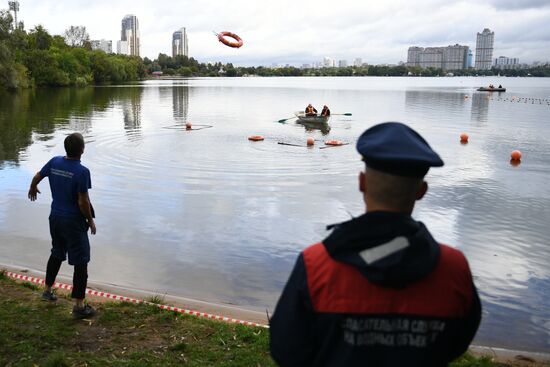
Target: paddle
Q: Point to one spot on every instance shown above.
(342, 114)
(292, 145)
(283, 120)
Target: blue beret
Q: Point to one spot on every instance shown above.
(395, 148)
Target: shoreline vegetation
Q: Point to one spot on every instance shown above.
(38, 59)
(36, 332)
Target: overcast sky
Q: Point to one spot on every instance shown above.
(304, 31)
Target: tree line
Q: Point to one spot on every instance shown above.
(188, 67)
(37, 58)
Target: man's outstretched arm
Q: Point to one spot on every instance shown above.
(33, 190)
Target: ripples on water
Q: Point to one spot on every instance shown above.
(210, 215)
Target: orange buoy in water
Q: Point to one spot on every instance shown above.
(333, 142)
(255, 138)
(188, 126)
(515, 156)
(310, 141)
(464, 138)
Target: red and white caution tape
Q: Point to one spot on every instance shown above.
(133, 300)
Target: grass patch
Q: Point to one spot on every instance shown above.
(56, 360)
(3, 274)
(156, 299)
(31, 286)
(468, 360)
(35, 332)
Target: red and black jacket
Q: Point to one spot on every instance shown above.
(379, 291)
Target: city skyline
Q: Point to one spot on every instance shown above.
(343, 31)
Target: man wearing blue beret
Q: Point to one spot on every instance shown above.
(379, 290)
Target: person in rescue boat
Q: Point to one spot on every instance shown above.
(326, 111)
(310, 110)
(379, 290)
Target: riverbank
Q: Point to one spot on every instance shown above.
(35, 331)
(195, 305)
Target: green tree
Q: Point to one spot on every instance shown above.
(13, 74)
(185, 71)
(44, 68)
(39, 38)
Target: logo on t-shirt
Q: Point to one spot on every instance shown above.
(62, 173)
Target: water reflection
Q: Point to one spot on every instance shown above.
(180, 103)
(39, 111)
(42, 111)
(480, 108)
(131, 110)
(324, 127)
(429, 100)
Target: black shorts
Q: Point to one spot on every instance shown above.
(70, 235)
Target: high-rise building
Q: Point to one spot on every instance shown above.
(104, 45)
(342, 63)
(358, 62)
(130, 34)
(470, 62)
(179, 43)
(122, 48)
(413, 55)
(446, 58)
(328, 62)
(484, 49)
(504, 62)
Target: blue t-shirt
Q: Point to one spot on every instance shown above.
(67, 178)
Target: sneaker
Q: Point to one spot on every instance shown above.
(83, 312)
(49, 296)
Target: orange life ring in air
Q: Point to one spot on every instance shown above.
(255, 138)
(333, 142)
(235, 44)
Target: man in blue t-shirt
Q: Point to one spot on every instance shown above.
(70, 217)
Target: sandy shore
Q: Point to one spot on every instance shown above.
(499, 354)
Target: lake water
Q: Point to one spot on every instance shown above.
(210, 215)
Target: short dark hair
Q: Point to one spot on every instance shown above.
(74, 145)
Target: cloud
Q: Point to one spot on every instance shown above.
(519, 5)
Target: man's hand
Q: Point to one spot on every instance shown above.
(33, 191)
(91, 223)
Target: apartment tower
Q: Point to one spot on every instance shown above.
(484, 49)
(446, 58)
(129, 36)
(179, 43)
